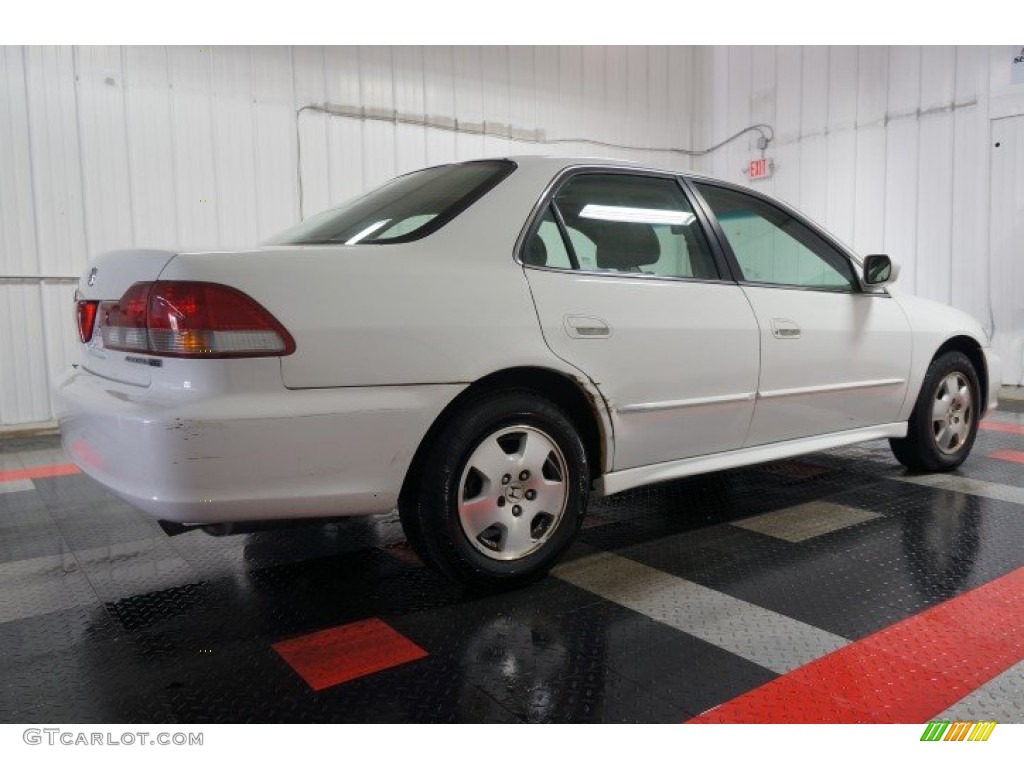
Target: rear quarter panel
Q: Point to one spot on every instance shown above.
(448, 308)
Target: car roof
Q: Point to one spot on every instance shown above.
(555, 163)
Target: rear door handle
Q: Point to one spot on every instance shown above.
(785, 329)
(582, 327)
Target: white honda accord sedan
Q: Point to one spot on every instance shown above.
(483, 345)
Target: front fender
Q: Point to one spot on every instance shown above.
(932, 325)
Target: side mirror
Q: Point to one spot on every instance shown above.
(879, 271)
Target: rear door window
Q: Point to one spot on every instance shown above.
(629, 224)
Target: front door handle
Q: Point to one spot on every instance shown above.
(785, 329)
(583, 327)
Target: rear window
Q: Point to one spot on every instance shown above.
(404, 209)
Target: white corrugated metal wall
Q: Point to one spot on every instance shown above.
(187, 147)
(115, 147)
(889, 147)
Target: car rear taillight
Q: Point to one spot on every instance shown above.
(86, 311)
(191, 319)
(123, 322)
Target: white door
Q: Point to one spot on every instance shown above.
(832, 358)
(1006, 246)
(628, 292)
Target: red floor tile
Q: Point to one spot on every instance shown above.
(53, 470)
(1002, 426)
(905, 673)
(344, 653)
(1008, 455)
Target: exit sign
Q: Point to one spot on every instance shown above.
(760, 169)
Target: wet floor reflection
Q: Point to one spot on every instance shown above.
(941, 542)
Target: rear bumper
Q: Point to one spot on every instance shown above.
(247, 456)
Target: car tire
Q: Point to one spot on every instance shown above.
(944, 423)
(502, 492)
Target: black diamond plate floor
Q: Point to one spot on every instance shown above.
(678, 598)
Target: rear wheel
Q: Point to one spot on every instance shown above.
(502, 493)
(942, 428)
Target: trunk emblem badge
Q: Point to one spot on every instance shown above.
(92, 277)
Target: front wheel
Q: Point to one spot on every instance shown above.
(942, 428)
(502, 493)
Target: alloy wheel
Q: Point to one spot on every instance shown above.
(952, 413)
(512, 492)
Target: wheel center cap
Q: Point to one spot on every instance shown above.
(515, 492)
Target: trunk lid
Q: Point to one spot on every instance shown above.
(109, 276)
